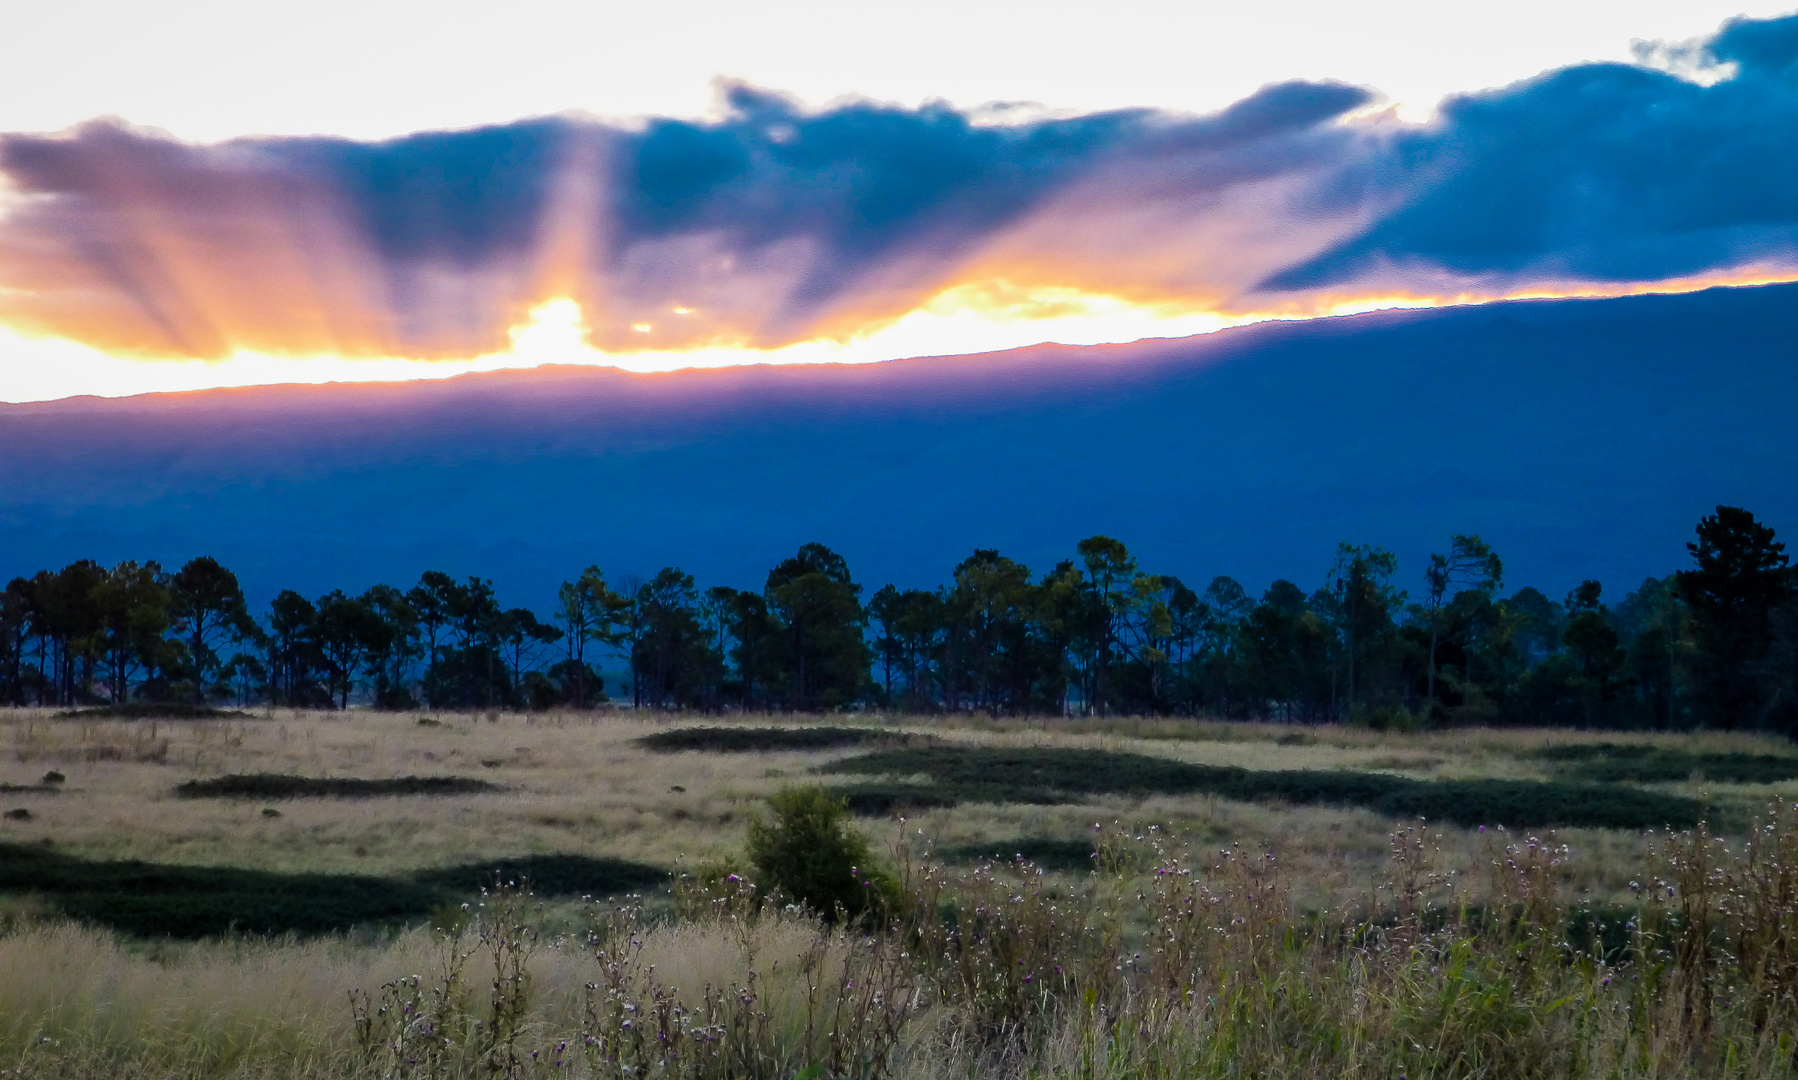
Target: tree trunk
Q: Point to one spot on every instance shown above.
(1430, 680)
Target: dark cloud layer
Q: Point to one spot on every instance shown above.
(867, 186)
(766, 222)
(774, 224)
(1604, 172)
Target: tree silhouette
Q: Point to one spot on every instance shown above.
(209, 612)
(1470, 566)
(1361, 600)
(134, 604)
(820, 614)
(588, 612)
(1740, 579)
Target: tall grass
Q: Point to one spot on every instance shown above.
(1167, 960)
(75, 1002)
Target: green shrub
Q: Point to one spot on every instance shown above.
(809, 851)
(745, 740)
(1386, 718)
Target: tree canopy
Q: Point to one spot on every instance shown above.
(1714, 644)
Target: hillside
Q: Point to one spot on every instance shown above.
(1582, 438)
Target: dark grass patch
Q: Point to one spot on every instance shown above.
(283, 786)
(1623, 763)
(1053, 775)
(884, 799)
(190, 902)
(139, 710)
(743, 740)
(549, 875)
(1048, 852)
(29, 789)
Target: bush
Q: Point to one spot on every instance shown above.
(1386, 718)
(812, 854)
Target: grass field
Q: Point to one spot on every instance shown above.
(201, 896)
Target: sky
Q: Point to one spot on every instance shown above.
(205, 194)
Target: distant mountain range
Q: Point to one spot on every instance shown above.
(1582, 438)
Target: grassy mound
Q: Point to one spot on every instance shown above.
(191, 902)
(1047, 775)
(283, 786)
(143, 710)
(549, 875)
(746, 740)
(1617, 762)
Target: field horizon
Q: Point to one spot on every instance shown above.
(586, 784)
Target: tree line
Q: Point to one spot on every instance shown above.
(1712, 645)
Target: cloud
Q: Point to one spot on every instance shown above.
(859, 211)
(765, 227)
(137, 243)
(1599, 173)
(774, 224)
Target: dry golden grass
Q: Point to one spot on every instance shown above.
(578, 784)
(80, 1002)
(574, 785)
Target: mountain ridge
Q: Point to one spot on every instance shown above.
(1582, 437)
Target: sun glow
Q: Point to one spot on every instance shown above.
(976, 317)
(966, 319)
(973, 318)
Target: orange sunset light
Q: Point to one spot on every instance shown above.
(973, 317)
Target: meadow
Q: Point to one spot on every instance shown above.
(322, 894)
